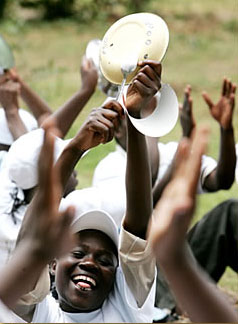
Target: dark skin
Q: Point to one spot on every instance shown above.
(172, 215)
(222, 177)
(99, 128)
(94, 256)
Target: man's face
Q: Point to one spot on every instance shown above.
(85, 277)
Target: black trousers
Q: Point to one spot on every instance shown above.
(214, 243)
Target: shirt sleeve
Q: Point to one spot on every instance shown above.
(40, 291)
(138, 265)
(208, 165)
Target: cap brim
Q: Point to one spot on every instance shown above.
(97, 220)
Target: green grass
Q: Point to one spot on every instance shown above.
(203, 48)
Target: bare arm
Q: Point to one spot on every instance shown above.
(187, 120)
(37, 105)
(66, 115)
(223, 176)
(47, 232)
(98, 128)
(194, 292)
(138, 176)
(9, 99)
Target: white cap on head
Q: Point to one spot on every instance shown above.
(5, 134)
(89, 214)
(22, 158)
(97, 220)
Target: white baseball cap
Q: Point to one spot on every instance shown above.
(23, 155)
(5, 134)
(89, 213)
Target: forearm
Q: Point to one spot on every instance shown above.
(21, 274)
(224, 174)
(15, 123)
(194, 291)
(138, 184)
(68, 160)
(66, 115)
(152, 144)
(38, 106)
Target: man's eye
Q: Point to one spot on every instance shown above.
(105, 262)
(78, 254)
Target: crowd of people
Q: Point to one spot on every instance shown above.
(121, 250)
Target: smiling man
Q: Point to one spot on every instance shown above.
(106, 277)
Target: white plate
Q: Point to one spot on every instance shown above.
(143, 33)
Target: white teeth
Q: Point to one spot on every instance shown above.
(85, 278)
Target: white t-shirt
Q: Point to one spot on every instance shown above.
(131, 300)
(12, 211)
(119, 307)
(109, 177)
(7, 316)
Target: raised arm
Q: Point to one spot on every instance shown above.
(37, 105)
(195, 293)
(187, 120)
(223, 176)
(9, 92)
(138, 176)
(98, 128)
(48, 232)
(66, 115)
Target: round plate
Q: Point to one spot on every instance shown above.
(145, 34)
(6, 56)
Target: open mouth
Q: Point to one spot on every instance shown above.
(84, 283)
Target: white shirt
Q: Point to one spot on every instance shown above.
(7, 316)
(109, 177)
(12, 211)
(119, 307)
(131, 300)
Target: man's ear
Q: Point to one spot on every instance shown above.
(52, 267)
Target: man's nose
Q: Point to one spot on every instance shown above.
(89, 264)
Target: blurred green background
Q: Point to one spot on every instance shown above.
(49, 38)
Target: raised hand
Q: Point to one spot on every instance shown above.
(89, 75)
(99, 127)
(222, 111)
(143, 87)
(187, 120)
(47, 229)
(174, 210)
(9, 92)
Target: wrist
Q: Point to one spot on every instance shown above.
(87, 90)
(11, 110)
(75, 147)
(227, 129)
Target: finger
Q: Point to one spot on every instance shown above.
(45, 166)
(151, 73)
(102, 132)
(229, 87)
(224, 86)
(232, 101)
(115, 106)
(154, 64)
(233, 90)
(207, 100)
(147, 82)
